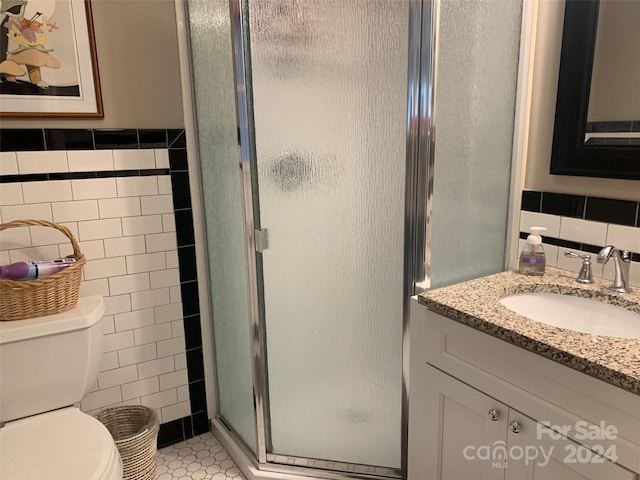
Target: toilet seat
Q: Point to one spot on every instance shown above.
(63, 444)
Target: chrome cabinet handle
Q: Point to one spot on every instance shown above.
(494, 415)
(514, 426)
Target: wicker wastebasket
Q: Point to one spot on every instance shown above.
(135, 431)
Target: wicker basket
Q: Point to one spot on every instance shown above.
(55, 293)
(135, 431)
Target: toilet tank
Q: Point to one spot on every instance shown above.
(50, 362)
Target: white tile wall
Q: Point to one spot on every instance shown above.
(119, 207)
(136, 186)
(92, 249)
(164, 185)
(40, 211)
(157, 204)
(121, 246)
(157, 367)
(146, 262)
(142, 225)
(11, 194)
(126, 229)
(161, 242)
(90, 160)
(626, 238)
(75, 210)
(139, 354)
(587, 232)
(162, 158)
(134, 159)
(42, 162)
(134, 319)
(140, 388)
(108, 267)
(90, 188)
(583, 231)
(50, 191)
(9, 163)
(12, 163)
(117, 304)
(534, 219)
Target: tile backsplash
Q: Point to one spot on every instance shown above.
(122, 193)
(582, 224)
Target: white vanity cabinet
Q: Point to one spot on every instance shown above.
(478, 405)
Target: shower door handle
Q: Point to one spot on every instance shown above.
(261, 239)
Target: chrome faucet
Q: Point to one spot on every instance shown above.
(586, 273)
(621, 263)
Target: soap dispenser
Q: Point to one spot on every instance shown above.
(532, 259)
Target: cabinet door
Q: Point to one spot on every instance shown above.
(535, 453)
(459, 428)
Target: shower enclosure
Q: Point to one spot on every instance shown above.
(316, 140)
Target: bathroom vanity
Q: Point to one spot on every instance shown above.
(495, 395)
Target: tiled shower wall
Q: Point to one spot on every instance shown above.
(584, 225)
(125, 196)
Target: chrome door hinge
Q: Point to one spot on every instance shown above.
(261, 239)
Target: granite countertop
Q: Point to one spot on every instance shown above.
(476, 303)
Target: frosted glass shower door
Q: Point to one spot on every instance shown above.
(211, 51)
(478, 47)
(329, 83)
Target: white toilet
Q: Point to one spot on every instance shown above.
(47, 365)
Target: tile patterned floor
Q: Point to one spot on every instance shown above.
(199, 458)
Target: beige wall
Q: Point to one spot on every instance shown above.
(543, 100)
(137, 49)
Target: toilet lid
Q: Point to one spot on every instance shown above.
(63, 444)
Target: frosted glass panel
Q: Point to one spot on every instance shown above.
(477, 67)
(220, 157)
(330, 88)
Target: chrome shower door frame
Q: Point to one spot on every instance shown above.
(419, 167)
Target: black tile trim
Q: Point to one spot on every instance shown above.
(37, 140)
(563, 204)
(531, 201)
(21, 140)
(584, 247)
(71, 175)
(558, 242)
(34, 177)
(176, 138)
(170, 433)
(39, 177)
(621, 212)
(606, 210)
(112, 139)
(197, 396)
(183, 429)
(69, 139)
(198, 422)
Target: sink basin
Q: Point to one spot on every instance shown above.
(575, 313)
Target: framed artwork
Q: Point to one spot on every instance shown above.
(48, 64)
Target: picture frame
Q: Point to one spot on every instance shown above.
(48, 63)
